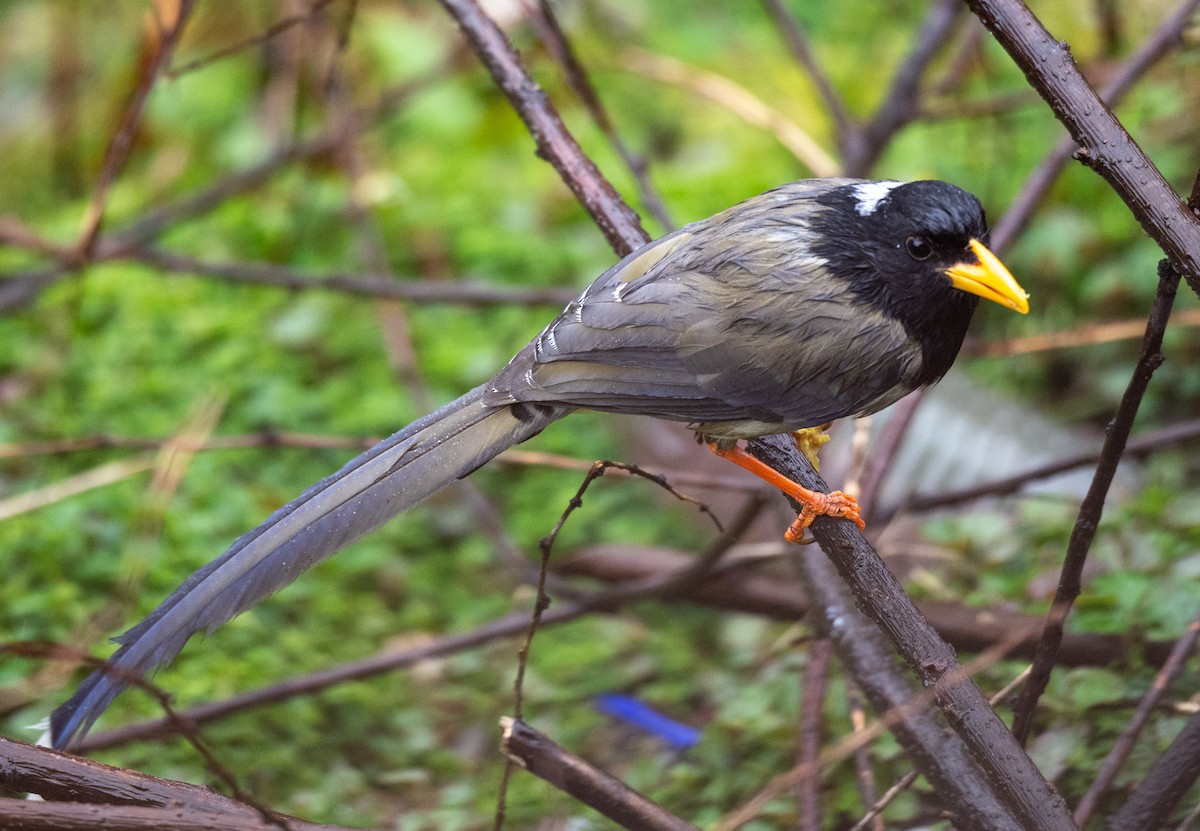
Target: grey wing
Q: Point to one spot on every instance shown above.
(681, 331)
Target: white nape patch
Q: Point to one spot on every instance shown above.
(870, 194)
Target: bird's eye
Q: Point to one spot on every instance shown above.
(918, 248)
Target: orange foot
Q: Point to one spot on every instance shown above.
(813, 504)
(834, 503)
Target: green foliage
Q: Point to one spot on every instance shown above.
(450, 183)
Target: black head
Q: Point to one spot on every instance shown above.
(893, 242)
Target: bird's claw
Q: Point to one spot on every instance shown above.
(835, 504)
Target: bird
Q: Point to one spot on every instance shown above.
(817, 300)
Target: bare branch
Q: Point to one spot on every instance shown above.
(538, 754)
(1105, 146)
(379, 285)
(1013, 776)
(1165, 38)
(1123, 746)
(559, 45)
(163, 46)
(617, 220)
(1090, 511)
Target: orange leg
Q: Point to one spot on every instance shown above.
(814, 504)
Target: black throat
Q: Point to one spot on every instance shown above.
(866, 249)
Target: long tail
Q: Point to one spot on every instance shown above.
(394, 475)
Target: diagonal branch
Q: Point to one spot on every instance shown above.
(1105, 145)
(1012, 775)
(559, 45)
(1166, 37)
(555, 144)
(121, 142)
(1090, 511)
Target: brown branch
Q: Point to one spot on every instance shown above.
(65, 778)
(1086, 335)
(20, 815)
(1143, 445)
(901, 103)
(1166, 37)
(737, 587)
(538, 754)
(1092, 507)
(1013, 776)
(849, 134)
(277, 28)
(1105, 146)
(739, 101)
(1164, 786)
(555, 144)
(559, 44)
(20, 289)
(941, 756)
(1123, 746)
(117, 154)
(377, 285)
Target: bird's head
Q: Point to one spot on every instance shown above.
(916, 251)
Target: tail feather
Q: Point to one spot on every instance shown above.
(394, 475)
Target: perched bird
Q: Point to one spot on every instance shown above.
(814, 301)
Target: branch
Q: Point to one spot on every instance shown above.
(121, 142)
(378, 285)
(848, 132)
(959, 783)
(1152, 440)
(1166, 783)
(1105, 146)
(555, 144)
(62, 777)
(536, 753)
(900, 103)
(1025, 792)
(1166, 37)
(22, 815)
(1123, 746)
(1092, 507)
(559, 45)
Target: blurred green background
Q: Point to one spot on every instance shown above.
(443, 181)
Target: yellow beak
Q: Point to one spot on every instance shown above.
(989, 279)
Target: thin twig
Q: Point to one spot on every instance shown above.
(1150, 441)
(1086, 335)
(1123, 746)
(849, 134)
(739, 101)
(1104, 144)
(1165, 38)
(1092, 507)
(277, 28)
(117, 154)
(559, 44)
(901, 103)
(616, 220)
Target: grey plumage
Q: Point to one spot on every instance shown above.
(787, 311)
(394, 475)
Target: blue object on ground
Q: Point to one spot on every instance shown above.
(676, 735)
